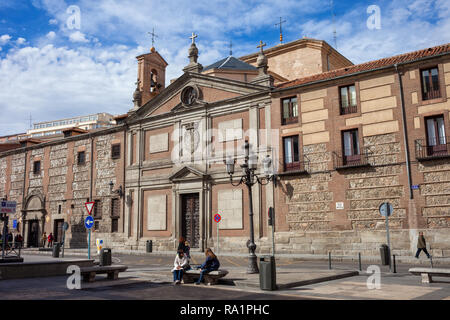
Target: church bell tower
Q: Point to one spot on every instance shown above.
(151, 75)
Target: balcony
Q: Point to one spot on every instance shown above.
(289, 120)
(353, 161)
(295, 167)
(424, 151)
(349, 109)
(431, 94)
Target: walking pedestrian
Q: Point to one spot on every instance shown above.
(422, 245)
(211, 264)
(180, 264)
(43, 239)
(50, 240)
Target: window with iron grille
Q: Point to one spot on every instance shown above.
(350, 143)
(115, 225)
(291, 153)
(97, 209)
(96, 225)
(289, 110)
(37, 167)
(430, 83)
(115, 207)
(436, 138)
(347, 99)
(81, 159)
(115, 151)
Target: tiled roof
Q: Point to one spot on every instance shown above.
(371, 65)
(230, 63)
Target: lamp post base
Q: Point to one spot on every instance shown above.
(252, 264)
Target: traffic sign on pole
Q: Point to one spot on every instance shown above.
(89, 206)
(386, 210)
(217, 219)
(89, 222)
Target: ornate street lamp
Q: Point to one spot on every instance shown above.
(249, 178)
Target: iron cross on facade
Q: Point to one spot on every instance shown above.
(281, 30)
(153, 36)
(193, 37)
(261, 45)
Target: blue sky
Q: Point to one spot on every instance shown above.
(50, 70)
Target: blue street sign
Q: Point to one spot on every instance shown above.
(88, 222)
(415, 186)
(14, 224)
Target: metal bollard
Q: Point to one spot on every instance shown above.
(329, 260)
(395, 265)
(359, 261)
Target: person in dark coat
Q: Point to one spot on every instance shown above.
(211, 264)
(422, 245)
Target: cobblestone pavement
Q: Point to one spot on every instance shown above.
(148, 277)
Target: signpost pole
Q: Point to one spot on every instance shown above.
(4, 237)
(388, 238)
(64, 242)
(89, 245)
(217, 237)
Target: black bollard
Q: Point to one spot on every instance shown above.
(395, 265)
(359, 261)
(329, 260)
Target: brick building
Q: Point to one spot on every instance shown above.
(343, 138)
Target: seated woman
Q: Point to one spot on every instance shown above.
(181, 263)
(211, 264)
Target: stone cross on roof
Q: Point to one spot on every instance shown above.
(261, 45)
(193, 37)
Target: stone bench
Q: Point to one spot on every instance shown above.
(89, 273)
(427, 273)
(210, 278)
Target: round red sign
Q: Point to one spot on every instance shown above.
(217, 217)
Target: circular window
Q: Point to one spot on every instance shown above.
(189, 95)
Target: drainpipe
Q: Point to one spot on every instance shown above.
(124, 172)
(405, 133)
(23, 196)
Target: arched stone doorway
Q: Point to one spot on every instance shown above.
(33, 220)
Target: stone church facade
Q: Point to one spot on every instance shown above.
(343, 139)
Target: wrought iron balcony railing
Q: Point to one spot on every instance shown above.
(357, 160)
(439, 149)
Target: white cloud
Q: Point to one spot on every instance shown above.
(20, 40)
(78, 36)
(52, 21)
(4, 39)
(52, 82)
(51, 35)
